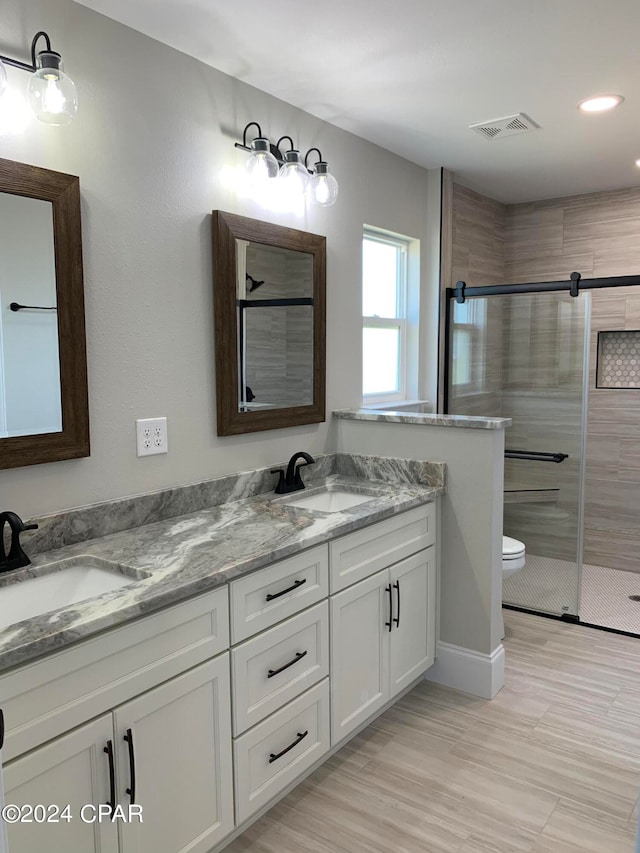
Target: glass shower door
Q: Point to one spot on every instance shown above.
(524, 356)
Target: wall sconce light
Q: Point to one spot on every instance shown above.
(323, 187)
(293, 174)
(51, 93)
(261, 164)
(266, 164)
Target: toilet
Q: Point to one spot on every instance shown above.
(513, 559)
(513, 556)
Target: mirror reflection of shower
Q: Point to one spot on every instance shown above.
(275, 326)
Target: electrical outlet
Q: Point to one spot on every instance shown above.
(151, 436)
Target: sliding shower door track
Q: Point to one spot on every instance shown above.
(572, 620)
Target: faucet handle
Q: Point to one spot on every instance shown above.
(280, 488)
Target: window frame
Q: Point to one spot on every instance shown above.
(399, 322)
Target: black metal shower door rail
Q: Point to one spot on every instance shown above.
(573, 285)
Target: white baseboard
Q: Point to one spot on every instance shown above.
(467, 670)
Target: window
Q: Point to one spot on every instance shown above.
(384, 317)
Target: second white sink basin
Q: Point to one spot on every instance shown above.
(61, 584)
(329, 500)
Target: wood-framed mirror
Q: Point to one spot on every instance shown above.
(269, 304)
(44, 411)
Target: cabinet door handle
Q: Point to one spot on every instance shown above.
(389, 624)
(275, 756)
(132, 766)
(1, 728)
(299, 656)
(396, 619)
(112, 776)
(296, 584)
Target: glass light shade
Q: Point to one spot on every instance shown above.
(323, 187)
(261, 165)
(3, 78)
(52, 94)
(293, 175)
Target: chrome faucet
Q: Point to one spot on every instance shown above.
(292, 481)
(16, 558)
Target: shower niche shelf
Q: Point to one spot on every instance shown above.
(618, 359)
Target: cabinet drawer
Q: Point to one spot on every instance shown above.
(360, 554)
(53, 695)
(299, 648)
(276, 751)
(272, 594)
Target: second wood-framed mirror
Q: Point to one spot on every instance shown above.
(269, 304)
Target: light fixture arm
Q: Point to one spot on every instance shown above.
(293, 147)
(16, 63)
(319, 160)
(243, 145)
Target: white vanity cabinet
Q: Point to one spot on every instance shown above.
(382, 627)
(206, 712)
(176, 762)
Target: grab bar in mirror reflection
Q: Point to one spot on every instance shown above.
(536, 455)
(15, 306)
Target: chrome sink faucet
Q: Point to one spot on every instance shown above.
(292, 481)
(16, 558)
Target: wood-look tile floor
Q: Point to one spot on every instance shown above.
(551, 765)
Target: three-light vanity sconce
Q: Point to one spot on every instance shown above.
(293, 174)
(51, 93)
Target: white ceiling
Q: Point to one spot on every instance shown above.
(411, 75)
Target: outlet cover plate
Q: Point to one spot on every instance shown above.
(151, 436)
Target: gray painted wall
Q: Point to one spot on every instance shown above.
(154, 132)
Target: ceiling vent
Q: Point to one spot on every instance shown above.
(505, 126)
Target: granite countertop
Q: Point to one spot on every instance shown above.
(194, 553)
(421, 418)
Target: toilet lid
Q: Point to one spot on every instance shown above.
(511, 548)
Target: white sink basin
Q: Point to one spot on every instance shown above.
(61, 584)
(329, 500)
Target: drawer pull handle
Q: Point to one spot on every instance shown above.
(396, 619)
(112, 776)
(132, 766)
(299, 656)
(389, 624)
(1, 728)
(296, 584)
(275, 756)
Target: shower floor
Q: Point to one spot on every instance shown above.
(548, 584)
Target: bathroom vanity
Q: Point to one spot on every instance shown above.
(208, 710)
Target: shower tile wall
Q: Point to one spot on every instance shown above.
(597, 235)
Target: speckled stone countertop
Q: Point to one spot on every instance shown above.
(194, 553)
(422, 418)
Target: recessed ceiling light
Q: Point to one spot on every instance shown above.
(638, 163)
(600, 103)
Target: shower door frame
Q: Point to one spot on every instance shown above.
(574, 286)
